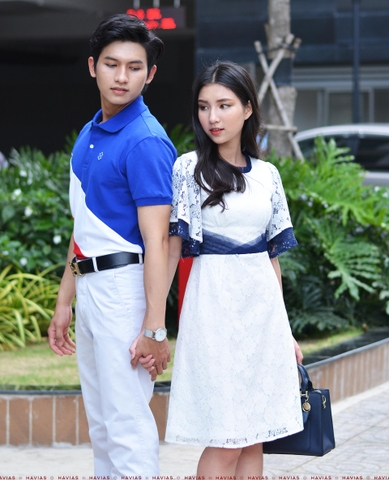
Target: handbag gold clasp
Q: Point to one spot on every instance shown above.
(306, 406)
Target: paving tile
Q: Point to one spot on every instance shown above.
(375, 402)
(284, 464)
(179, 459)
(364, 418)
(355, 459)
(274, 473)
(325, 469)
(46, 461)
(347, 431)
(376, 435)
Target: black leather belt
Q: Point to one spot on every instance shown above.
(105, 262)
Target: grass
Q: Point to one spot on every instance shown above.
(37, 365)
(314, 345)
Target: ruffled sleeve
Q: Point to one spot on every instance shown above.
(185, 217)
(279, 232)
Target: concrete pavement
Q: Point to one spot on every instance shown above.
(361, 426)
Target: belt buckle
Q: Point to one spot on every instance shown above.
(75, 268)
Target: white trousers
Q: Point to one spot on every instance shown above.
(109, 314)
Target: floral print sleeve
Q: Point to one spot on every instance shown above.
(279, 233)
(185, 217)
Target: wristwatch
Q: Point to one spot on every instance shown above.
(158, 335)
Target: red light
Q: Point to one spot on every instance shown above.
(163, 18)
(153, 14)
(151, 24)
(168, 24)
(138, 13)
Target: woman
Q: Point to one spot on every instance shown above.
(235, 381)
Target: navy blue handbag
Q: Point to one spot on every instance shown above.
(317, 438)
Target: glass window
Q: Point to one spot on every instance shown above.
(307, 147)
(373, 153)
(343, 141)
(340, 108)
(381, 106)
(306, 114)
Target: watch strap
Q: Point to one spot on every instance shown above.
(154, 333)
(149, 333)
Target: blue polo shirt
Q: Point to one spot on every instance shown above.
(117, 166)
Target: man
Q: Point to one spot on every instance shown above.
(120, 196)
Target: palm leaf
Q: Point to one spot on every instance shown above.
(27, 303)
(354, 262)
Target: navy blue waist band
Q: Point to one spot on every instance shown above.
(214, 244)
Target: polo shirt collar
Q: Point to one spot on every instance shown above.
(121, 119)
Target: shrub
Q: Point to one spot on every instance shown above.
(338, 275)
(35, 219)
(182, 138)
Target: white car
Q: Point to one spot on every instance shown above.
(369, 143)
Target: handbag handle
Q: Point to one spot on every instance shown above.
(306, 384)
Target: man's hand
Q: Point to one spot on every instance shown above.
(159, 351)
(146, 362)
(58, 332)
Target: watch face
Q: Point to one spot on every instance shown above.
(160, 334)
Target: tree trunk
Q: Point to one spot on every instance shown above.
(277, 29)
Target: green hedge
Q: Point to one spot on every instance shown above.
(339, 274)
(35, 219)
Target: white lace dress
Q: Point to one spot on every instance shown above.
(235, 380)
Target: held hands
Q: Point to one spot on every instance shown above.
(152, 355)
(58, 331)
(146, 362)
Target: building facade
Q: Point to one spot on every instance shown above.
(46, 92)
(323, 66)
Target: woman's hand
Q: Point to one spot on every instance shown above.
(298, 353)
(148, 364)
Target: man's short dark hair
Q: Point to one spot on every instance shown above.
(123, 27)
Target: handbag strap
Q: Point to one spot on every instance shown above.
(306, 384)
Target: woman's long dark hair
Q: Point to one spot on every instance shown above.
(215, 175)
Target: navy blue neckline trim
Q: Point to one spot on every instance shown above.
(248, 167)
